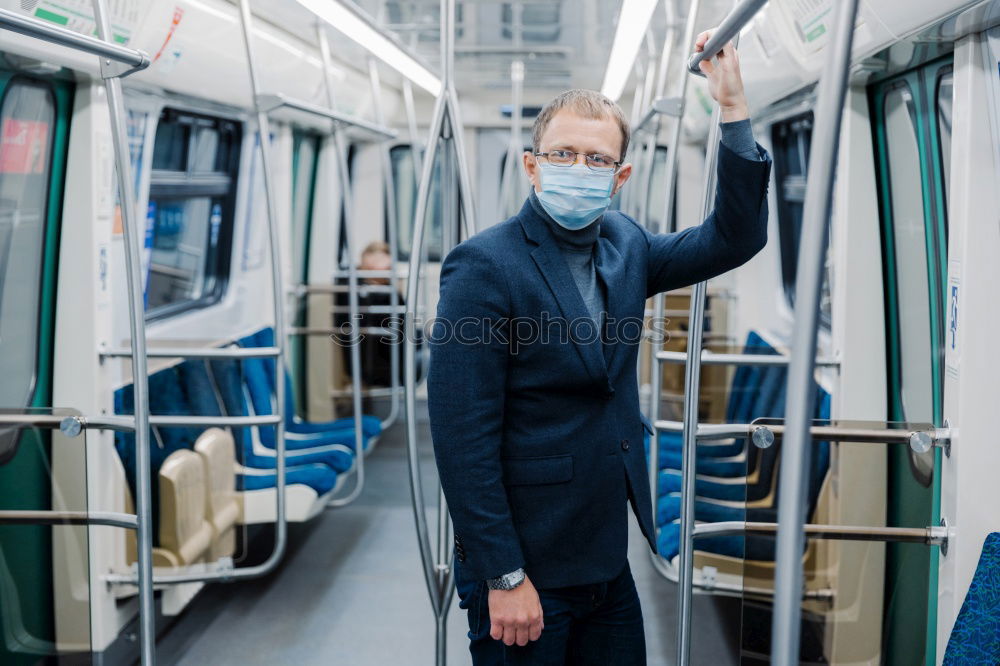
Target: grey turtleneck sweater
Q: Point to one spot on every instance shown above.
(578, 246)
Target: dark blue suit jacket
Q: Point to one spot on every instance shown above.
(536, 423)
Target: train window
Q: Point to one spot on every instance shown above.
(791, 140)
(191, 201)
(657, 201)
(909, 239)
(27, 128)
(406, 179)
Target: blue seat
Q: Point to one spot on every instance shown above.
(766, 400)
(204, 397)
(317, 477)
(739, 409)
(975, 638)
(261, 379)
(706, 510)
(231, 386)
(165, 398)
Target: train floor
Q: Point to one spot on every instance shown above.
(350, 591)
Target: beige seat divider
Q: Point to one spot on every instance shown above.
(184, 531)
(222, 508)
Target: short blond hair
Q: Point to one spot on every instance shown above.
(376, 247)
(586, 103)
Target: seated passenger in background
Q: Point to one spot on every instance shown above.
(532, 391)
(376, 350)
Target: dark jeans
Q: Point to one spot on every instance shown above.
(598, 624)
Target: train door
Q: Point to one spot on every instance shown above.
(34, 126)
(911, 120)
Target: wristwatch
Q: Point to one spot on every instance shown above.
(507, 581)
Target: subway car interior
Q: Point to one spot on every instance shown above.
(215, 445)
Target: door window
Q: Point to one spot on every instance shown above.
(27, 126)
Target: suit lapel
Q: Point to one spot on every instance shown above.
(554, 269)
(611, 272)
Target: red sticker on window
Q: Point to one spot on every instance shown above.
(23, 146)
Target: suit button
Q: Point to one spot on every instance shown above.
(624, 445)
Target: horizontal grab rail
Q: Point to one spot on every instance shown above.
(370, 309)
(195, 352)
(221, 570)
(665, 106)
(764, 434)
(380, 392)
(712, 358)
(72, 425)
(735, 21)
(362, 289)
(932, 535)
(271, 102)
(45, 421)
(53, 34)
(109, 518)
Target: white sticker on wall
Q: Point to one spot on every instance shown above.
(952, 346)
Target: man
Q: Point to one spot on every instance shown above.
(533, 394)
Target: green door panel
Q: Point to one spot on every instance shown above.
(908, 138)
(35, 129)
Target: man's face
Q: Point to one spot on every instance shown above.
(569, 131)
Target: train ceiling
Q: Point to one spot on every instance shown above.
(563, 43)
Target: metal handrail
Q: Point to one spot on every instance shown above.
(347, 203)
(713, 358)
(134, 59)
(108, 518)
(933, 535)
(832, 90)
(122, 423)
(692, 389)
(195, 352)
(765, 432)
(728, 30)
(391, 214)
(661, 106)
(665, 225)
(373, 309)
(137, 331)
(515, 144)
(437, 568)
(271, 102)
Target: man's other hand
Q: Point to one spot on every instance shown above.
(516, 615)
(724, 80)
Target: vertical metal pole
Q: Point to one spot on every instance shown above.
(427, 557)
(352, 281)
(389, 189)
(667, 223)
(437, 567)
(515, 147)
(411, 120)
(627, 196)
(649, 162)
(692, 389)
(277, 288)
(456, 125)
(796, 450)
(137, 331)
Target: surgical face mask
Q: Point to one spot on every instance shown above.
(575, 195)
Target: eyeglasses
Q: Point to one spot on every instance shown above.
(567, 158)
